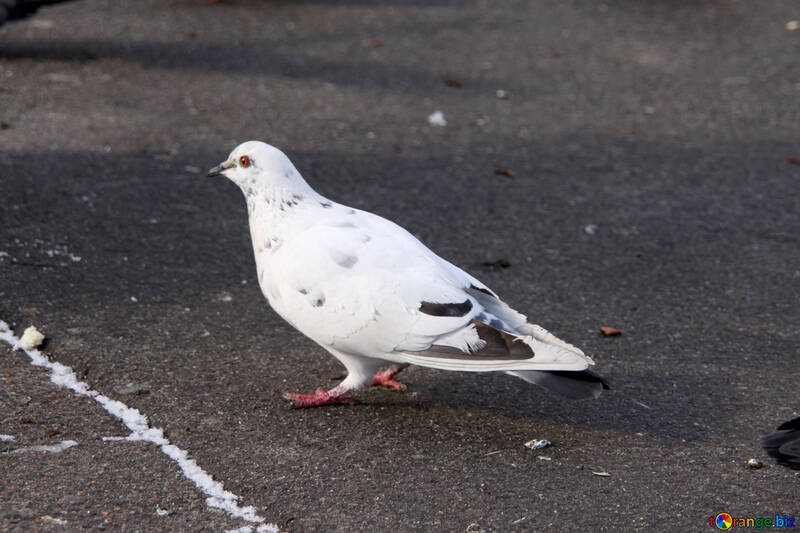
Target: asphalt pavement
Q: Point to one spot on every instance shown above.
(654, 191)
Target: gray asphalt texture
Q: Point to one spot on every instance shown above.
(668, 125)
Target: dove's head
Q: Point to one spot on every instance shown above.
(258, 166)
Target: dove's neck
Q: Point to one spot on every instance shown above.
(278, 201)
(278, 213)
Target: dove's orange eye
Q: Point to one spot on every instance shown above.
(244, 161)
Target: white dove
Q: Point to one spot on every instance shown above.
(378, 299)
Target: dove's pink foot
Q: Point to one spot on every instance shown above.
(331, 397)
(383, 378)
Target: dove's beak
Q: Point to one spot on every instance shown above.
(219, 169)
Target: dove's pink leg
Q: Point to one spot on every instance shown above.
(333, 396)
(383, 378)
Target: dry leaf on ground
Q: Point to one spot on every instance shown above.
(610, 332)
(505, 172)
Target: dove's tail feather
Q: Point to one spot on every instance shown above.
(479, 347)
(574, 385)
(499, 338)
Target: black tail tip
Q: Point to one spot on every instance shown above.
(575, 385)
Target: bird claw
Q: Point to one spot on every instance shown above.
(389, 384)
(383, 379)
(320, 398)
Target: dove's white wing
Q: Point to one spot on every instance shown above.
(361, 284)
(356, 283)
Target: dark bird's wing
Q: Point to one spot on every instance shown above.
(784, 446)
(17, 9)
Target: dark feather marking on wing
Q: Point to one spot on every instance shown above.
(500, 346)
(492, 321)
(484, 291)
(499, 340)
(452, 310)
(344, 260)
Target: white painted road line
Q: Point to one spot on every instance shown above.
(46, 448)
(216, 495)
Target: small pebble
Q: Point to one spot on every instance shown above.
(437, 119)
(754, 463)
(47, 519)
(31, 338)
(538, 444)
(138, 389)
